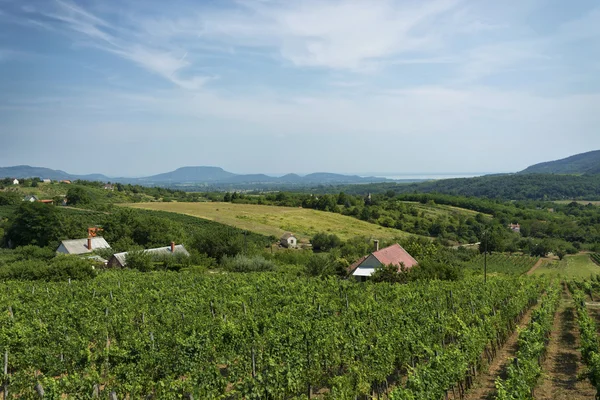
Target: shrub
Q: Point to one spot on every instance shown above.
(61, 268)
(140, 260)
(241, 263)
(325, 242)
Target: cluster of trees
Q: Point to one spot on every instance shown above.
(45, 226)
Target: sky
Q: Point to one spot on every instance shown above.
(133, 88)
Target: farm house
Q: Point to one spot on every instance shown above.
(391, 255)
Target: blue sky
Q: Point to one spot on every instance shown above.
(132, 88)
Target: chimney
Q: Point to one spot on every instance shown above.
(172, 247)
(376, 245)
(89, 243)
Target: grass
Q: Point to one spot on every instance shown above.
(573, 266)
(273, 220)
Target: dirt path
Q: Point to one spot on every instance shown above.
(563, 359)
(485, 384)
(535, 266)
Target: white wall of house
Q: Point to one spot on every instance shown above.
(16, 182)
(62, 249)
(291, 242)
(367, 267)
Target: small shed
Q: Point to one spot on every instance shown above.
(15, 181)
(289, 241)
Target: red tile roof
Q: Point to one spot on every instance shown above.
(394, 255)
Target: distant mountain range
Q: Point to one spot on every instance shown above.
(194, 176)
(584, 163)
(25, 171)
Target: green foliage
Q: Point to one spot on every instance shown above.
(261, 335)
(10, 198)
(34, 224)
(325, 242)
(501, 263)
(78, 195)
(590, 347)
(60, 268)
(525, 370)
(140, 260)
(390, 274)
(326, 265)
(241, 263)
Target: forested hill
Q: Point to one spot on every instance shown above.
(584, 163)
(505, 187)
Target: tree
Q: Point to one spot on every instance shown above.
(34, 223)
(78, 195)
(324, 242)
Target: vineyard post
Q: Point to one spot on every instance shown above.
(6, 374)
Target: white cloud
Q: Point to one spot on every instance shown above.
(86, 28)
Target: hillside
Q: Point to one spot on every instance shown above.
(195, 175)
(273, 220)
(26, 171)
(584, 163)
(506, 187)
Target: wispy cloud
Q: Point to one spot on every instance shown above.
(83, 27)
(337, 34)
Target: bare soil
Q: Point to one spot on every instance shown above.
(563, 359)
(485, 383)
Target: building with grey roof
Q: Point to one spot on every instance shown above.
(120, 259)
(82, 246)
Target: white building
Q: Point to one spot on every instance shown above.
(289, 240)
(16, 182)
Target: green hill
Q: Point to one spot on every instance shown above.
(584, 163)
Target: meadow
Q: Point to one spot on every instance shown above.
(274, 220)
(572, 266)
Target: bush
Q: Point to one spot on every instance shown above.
(62, 268)
(140, 260)
(325, 242)
(241, 263)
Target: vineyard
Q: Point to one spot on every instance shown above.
(503, 263)
(595, 258)
(261, 336)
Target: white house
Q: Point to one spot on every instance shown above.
(30, 198)
(289, 240)
(16, 182)
(82, 246)
(392, 255)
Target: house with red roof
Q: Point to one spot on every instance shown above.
(391, 255)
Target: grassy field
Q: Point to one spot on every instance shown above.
(575, 266)
(272, 220)
(436, 210)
